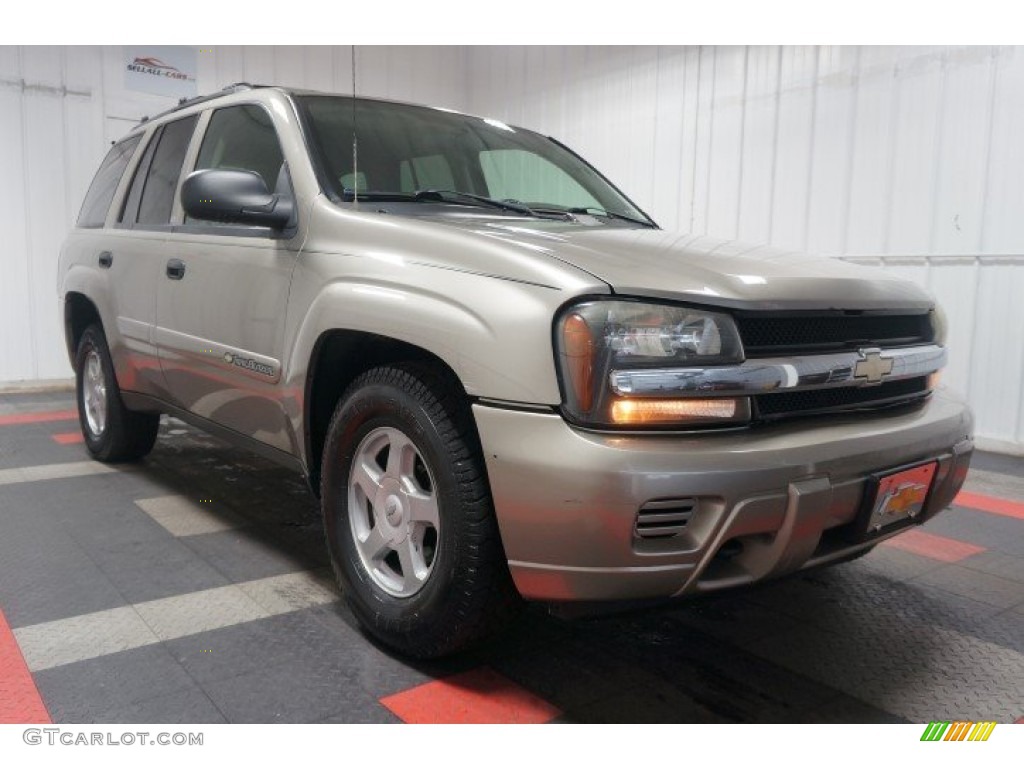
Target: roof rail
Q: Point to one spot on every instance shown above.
(184, 102)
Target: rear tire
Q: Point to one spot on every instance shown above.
(408, 516)
(112, 432)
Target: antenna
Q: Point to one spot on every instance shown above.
(355, 143)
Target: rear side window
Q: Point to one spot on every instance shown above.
(130, 207)
(162, 179)
(101, 191)
(243, 138)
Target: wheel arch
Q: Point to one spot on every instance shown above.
(79, 313)
(340, 356)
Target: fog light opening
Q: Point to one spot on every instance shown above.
(732, 549)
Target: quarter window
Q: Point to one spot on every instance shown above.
(130, 207)
(101, 191)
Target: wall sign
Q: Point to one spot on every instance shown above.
(164, 70)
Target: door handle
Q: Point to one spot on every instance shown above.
(106, 258)
(175, 269)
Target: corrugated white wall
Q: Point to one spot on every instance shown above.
(911, 158)
(907, 157)
(60, 107)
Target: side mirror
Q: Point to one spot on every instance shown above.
(235, 196)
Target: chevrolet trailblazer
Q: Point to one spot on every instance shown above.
(500, 376)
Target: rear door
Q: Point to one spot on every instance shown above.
(221, 303)
(89, 262)
(139, 250)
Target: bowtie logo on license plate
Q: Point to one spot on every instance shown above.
(903, 499)
(901, 495)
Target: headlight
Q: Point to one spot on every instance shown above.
(597, 338)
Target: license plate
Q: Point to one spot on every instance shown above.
(900, 496)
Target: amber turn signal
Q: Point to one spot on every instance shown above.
(578, 348)
(658, 411)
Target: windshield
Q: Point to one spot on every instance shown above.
(404, 150)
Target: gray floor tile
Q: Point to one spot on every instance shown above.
(92, 690)
(998, 462)
(975, 585)
(999, 534)
(893, 563)
(289, 693)
(649, 704)
(49, 577)
(369, 713)
(149, 570)
(997, 564)
(181, 707)
(244, 555)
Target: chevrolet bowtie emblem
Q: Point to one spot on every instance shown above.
(872, 366)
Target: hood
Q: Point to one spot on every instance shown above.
(671, 265)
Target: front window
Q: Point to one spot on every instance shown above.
(405, 150)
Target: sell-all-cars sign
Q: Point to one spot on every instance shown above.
(164, 70)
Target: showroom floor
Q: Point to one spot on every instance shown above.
(193, 588)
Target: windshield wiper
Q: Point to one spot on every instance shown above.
(446, 195)
(595, 211)
(437, 195)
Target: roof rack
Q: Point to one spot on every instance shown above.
(182, 103)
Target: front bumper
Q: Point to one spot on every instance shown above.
(769, 500)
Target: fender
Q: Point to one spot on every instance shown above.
(491, 314)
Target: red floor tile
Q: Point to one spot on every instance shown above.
(991, 504)
(20, 701)
(478, 696)
(936, 547)
(68, 438)
(8, 419)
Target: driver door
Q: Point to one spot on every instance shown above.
(221, 302)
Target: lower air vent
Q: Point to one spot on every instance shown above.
(664, 518)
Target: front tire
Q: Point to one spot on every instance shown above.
(409, 521)
(112, 432)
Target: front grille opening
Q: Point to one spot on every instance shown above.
(664, 518)
(779, 404)
(768, 334)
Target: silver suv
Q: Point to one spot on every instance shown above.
(501, 377)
